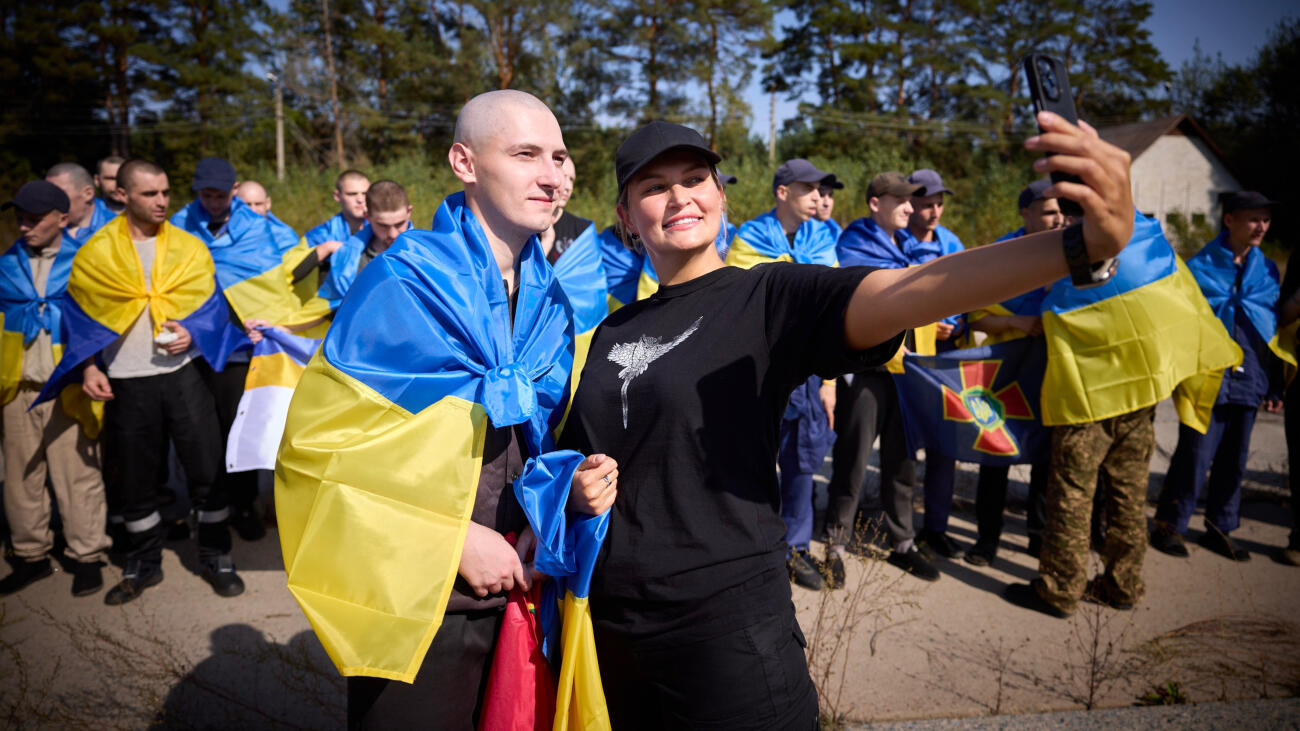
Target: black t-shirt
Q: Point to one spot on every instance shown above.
(686, 390)
(567, 230)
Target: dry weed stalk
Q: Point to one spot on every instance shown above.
(870, 594)
(1231, 656)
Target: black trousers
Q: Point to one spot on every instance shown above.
(144, 413)
(227, 388)
(991, 500)
(448, 689)
(753, 677)
(864, 409)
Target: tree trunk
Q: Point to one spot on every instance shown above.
(334, 86)
(713, 96)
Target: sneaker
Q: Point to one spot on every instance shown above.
(1222, 544)
(1026, 596)
(86, 578)
(803, 570)
(248, 524)
(982, 553)
(939, 544)
(220, 573)
(1290, 556)
(136, 577)
(1167, 540)
(914, 563)
(1098, 593)
(834, 565)
(24, 574)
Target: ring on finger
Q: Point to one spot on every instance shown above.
(608, 481)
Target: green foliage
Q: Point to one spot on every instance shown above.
(1188, 235)
(1168, 694)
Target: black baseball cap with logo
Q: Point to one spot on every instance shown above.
(1246, 199)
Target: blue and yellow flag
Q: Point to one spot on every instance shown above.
(248, 261)
(865, 243)
(834, 227)
(285, 237)
(567, 548)
(1254, 294)
(379, 464)
(25, 314)
(1135, 340)
(107, 293)
(977, 405)
(343, 267)
(101, 215)
(622, 267)
(582, 277)
(762, 240)
(278, 361)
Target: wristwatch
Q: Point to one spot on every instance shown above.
(1084, 273)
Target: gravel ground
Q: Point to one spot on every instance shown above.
(1257, 714)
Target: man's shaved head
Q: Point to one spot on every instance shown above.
(127, 172)
(488, 114)
(252, 193)
(77, 175)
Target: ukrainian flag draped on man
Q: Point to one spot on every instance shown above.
(371, 553)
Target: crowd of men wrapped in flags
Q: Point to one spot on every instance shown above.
(371, 358)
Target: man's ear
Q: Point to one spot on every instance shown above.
(461, 159)
(337, 199)
(63, 220)
(873, 203)
(781, 193)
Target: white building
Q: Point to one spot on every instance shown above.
(1176, 167)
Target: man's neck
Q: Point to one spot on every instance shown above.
(790, 222)
(354, 224)
(1239, 250)
(923, 234)
(141, 230)
(506, 245)
(85, 219)
(888, 229)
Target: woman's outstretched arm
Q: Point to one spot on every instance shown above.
(892, 300)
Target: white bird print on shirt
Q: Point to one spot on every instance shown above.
(636, 357)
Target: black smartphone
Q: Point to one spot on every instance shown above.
(1049, 88)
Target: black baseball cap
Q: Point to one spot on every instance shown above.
(833, 183)
(1246, 199)
(930, 182)
(652, 140)
(1034, 192)
(726, 179)
(38, 197)
(798, 170)
(213, 172)
(891, 183)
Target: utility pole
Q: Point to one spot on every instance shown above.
(279, 124)
(771, 135)
(334, 87)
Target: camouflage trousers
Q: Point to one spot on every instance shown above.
(1120, 446)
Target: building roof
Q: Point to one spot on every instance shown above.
(1136, 137)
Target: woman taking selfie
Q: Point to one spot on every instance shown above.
(691, 601)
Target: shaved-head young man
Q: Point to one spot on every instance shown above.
(431, 311)
(86, 213)
(255, 196)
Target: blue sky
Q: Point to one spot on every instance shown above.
(1175, 27)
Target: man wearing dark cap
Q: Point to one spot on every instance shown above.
(791, 232)
(1016, 318)
(1241, 285)
(244, 249)
(827, 206)
(940, 471)
(866, 403)
(44, 440)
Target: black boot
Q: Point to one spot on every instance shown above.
(136, 577)
(25, 572)
(87, 578)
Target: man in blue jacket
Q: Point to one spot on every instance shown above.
(1242, 286)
